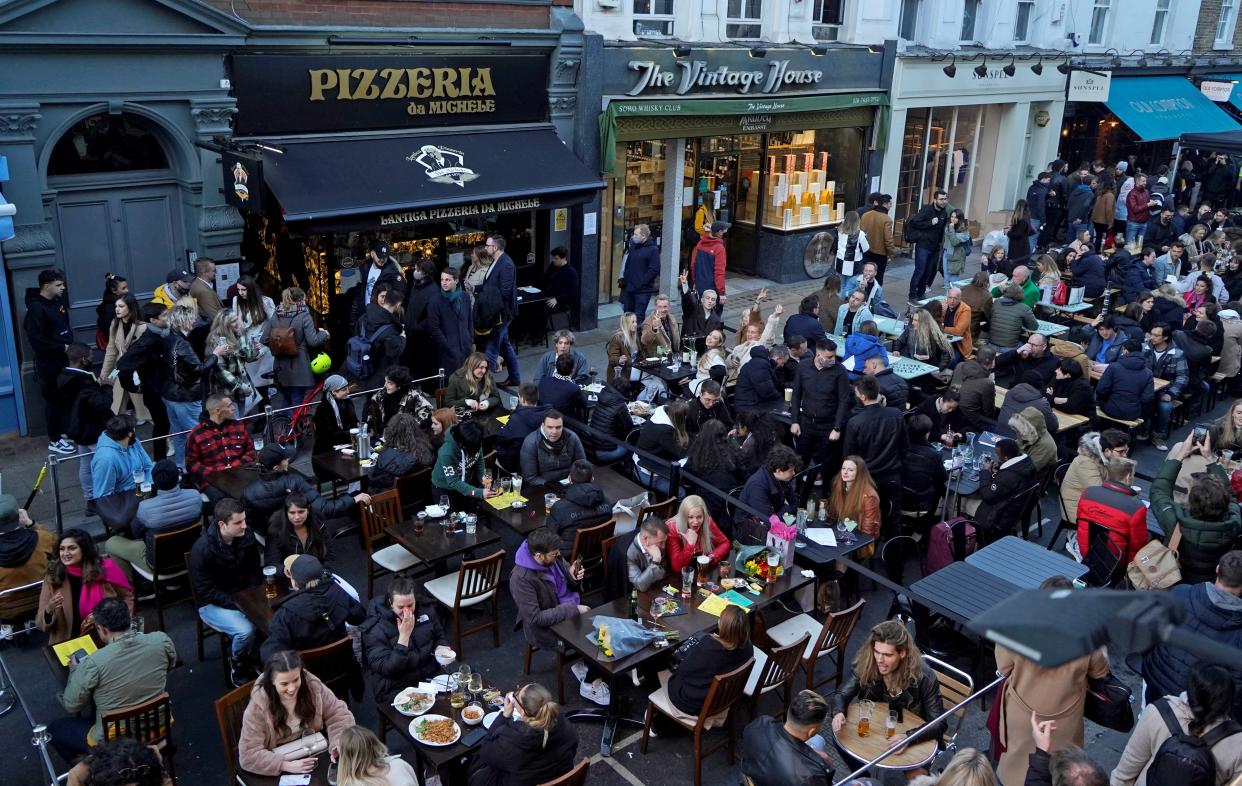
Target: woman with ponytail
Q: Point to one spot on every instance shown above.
(1200, 710)
(531, 743)
(365, 762)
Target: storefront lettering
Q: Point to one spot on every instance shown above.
(697, 74)
(1162, 105)
(754, 123)
(993, 73)
(450, 107)
(371, 84)
(460, 211)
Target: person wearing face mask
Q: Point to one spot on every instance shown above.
(641, 277)
(700, 315)
(422, 289)
(402, 643)
(534, 742)
(334, 416)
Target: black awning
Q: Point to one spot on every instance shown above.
(1220, 142)
(350, 183)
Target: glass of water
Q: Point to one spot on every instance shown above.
(517, 485)
(472, 524)
(259, 442)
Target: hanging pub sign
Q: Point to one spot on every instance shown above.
(305, 94)
(243, 182)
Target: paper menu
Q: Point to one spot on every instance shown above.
(66, 648)
(824, 536)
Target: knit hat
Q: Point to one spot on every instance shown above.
(306, 569)
(1123, 166)
(8, 511)
(272, 454)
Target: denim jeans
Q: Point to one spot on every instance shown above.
(1163, 414)
(918, 279)
(609, 456)
(231, 623)
(182, 416)
(1035, 225)
(636, 302)
(498, 344)
(86, 453)
(657, 483)
(69, 736)
(1134, 229)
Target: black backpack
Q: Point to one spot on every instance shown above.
(1183, 758)
(358, 364)
(910, 235)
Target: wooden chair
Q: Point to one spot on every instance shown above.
(202, 630)
(575, 777)
(413, 490)
(775, 670)
(473, 584)
(589, 547)
(562, 660)
(661, 510)
(149, 723)
(606, 546)
(166, 554)
(955, 686)
(229, 711)
(829, 639)
(384, 510)
(334, 664)
(725, 691)
(18, 604)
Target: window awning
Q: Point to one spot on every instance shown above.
(1165, 107)
(1235, 97)
(347, 183)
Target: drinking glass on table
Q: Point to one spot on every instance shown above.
(487, 479)
(472, 524)
(139, 476)
(517, 485)
(420, 521)
(687, 581)
(890, 725)
(444, 503)
(463, 675)
(506, 484)
(476, 683)
(866, 709)
(457, 699)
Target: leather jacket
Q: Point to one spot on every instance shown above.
(772, 757)
(923, 698)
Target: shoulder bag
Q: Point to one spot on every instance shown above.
(1155, 566)
(303, 747)
(1109, 703)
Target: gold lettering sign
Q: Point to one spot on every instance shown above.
(371, 84)
(459, 211)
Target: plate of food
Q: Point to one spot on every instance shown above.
(412, 702)
(490, 718)
(472, 714)
(435, 730)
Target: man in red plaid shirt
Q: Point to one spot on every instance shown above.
(216, 444)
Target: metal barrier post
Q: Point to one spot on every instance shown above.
(41, 738)
(54, 464)
(267, 423)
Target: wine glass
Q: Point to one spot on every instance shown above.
(476, 683)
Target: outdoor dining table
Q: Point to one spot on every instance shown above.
(1024, 563)
(338, 467)
(531, 517)
(810, 554)
(319, 776)
(909, 368)
(1065, 420)
(962, 591)
(232, 482)
(864, 749)
(1049, 329)
(574, 633)
(257, 607)
(664, 371)
(436, 544)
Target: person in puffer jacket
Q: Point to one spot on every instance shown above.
(611, 417)
(550, 450)
(406, 450)
(1027, 393)
(756, 383)
(1031, 434)
(976, 390)
(313, 615)
(862, 345)
(400, 641)
(1126, 390)
(267, 494)
(582, 505)
(1010, 317)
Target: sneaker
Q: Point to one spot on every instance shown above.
(1159, 444)
(141, 422)
(63, 447)
(596, 692)
(239, 673)
(1071, 545)
(579, 669)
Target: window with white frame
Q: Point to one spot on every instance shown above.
(1099, 21)
(744, 19)
(653, 18)
(1022, 22)
(1159, 21)
(970, 19)
(908, 26)
(827, 18)
(1224, 28)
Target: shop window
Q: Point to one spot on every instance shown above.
(744, 19)
(1022, 22)
(1099, 21)
(812, 178)
(827, 16)
(106, 143)
(1224, 28)
(970, 17)
(653, 18)
(908, 25)
(1159, 21)
(940, 150)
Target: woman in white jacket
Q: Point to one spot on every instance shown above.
(851, 245)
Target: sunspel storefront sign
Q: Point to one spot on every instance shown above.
(297, 94)
(646, 72)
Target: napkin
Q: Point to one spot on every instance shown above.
(824, 536)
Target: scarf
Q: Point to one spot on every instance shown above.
(453, 297)
(330, 386)
(554, 448)
(95, 591)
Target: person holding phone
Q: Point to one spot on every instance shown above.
(1210, 520)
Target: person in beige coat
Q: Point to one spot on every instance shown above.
(288, 702)
(126, 328)
(1087, 468)
(1231, 352)
(1057, 694)
(1203, 707)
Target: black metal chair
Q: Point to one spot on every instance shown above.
(1105, 559)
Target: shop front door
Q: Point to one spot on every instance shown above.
(133, 231)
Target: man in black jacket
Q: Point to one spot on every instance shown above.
(227, 559)
(501, 286)
(1160, 230)
(383, 273)
(1058, 193)
(582, 505)
(1012, 365)
(928, 228)
(144, 369)
(783, 755)
(821, 402)
(313, 615)
(526, 417)
(381, 325)
(947, 423)
(87, 406)
(1000, 501)
(1037, 203)
(1197, 346)
(1072, 764)
(877, 434)
(402, 646)
(49, 333)
(267, 493)
(707, 406)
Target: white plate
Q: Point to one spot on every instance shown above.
(490, 718)
(434, 511)
(414, 734)
(444, 682)
(396, 700)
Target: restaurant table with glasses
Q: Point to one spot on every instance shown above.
(338, 467)
(673, 373)
(1024, 563)
(820, 546)
(575, 631)
(436, 540)
(256, 602)
(1068, 308)
(1048, 329)
(865, 741)
(909, 368)
(532, 510)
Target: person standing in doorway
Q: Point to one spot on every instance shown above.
(641, 276)
(500, 286)
(561, 284)
(927, 227)
(47, 329)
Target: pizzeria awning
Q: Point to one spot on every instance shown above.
(1165, 107)
(367, 182)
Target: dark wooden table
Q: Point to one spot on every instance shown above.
(574, 633)
(436, 545)
(319, 777)
(662, 371)
(233, 481)
(813, 555)
(452, 758)
(256, 606)
(526, 520)
(962, 591)
(1024, 563)
(337, 467)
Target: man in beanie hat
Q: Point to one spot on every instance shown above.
(172, 507)
(25, 549)
(314, 614)
(267, 494)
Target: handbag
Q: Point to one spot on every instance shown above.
(303, 747)
(1109, 703)
(1155, 566)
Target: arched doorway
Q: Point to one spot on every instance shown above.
(118, 209)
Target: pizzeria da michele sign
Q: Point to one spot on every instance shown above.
(299, 94)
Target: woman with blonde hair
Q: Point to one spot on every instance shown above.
(533, 742)
(924, 340)
(853, 496)
(623, 349)
(753, 332)
(692, 533)
(890, 668)
(1047, 276)
(472, 389)
(1227, 431)
(229, 374)
(968, 767)
(253, 308)
(480, 263)
(851, 245)
(364, 761)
